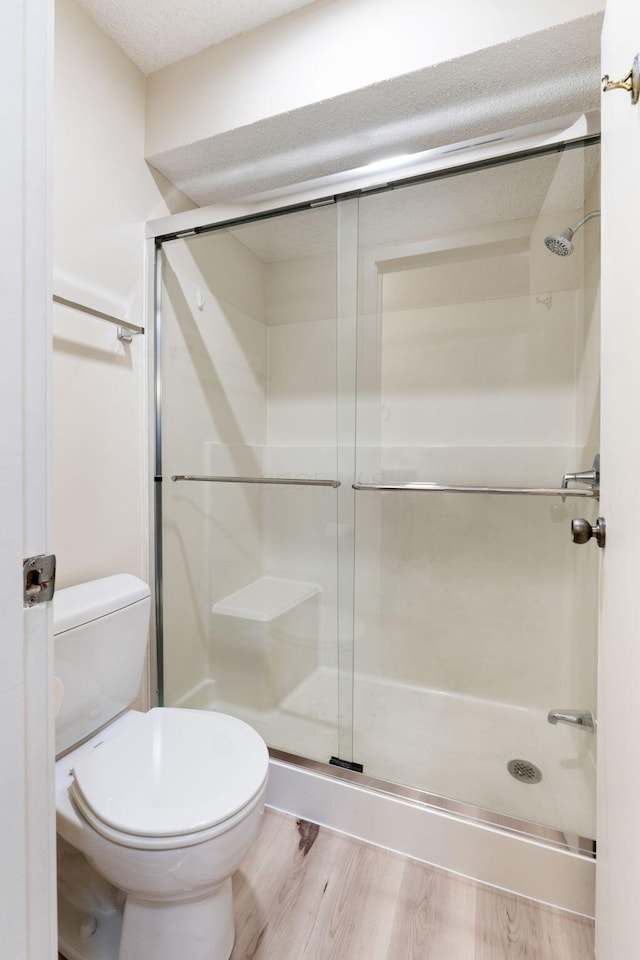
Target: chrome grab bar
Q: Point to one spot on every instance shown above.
(505, 491)
(291, 481)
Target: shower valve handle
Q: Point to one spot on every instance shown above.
(582, 531)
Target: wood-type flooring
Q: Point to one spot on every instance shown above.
(308, 893)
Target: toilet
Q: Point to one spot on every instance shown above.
(154, 811)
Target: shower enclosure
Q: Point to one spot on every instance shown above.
(366, 411)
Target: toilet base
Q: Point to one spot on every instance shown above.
(200, 929)
(83, 936)
(90, 909)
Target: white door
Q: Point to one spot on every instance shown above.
(618, 870)
(27, 828)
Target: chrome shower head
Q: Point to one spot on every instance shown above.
(562, 243)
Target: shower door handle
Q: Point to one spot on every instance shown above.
(582, 531)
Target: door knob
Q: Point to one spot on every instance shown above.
(582, 531)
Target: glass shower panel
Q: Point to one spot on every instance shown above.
(250, 593)
(478, 365)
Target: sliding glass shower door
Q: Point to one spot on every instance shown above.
(252, 506)
(478, 367)
(368, 411)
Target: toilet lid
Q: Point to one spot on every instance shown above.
(176, 772)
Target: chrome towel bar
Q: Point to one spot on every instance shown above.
(125, 329)
(291, 481)
(505, 491)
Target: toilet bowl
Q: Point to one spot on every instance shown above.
(154, 814)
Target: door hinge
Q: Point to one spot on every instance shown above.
(39, 579)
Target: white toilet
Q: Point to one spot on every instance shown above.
(154, 811)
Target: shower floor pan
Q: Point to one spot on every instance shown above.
(453, 746)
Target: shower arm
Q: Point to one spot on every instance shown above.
(581, 223)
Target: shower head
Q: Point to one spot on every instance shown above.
(562, 243)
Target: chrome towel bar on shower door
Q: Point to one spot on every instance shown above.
(291, 481)
(506, 491)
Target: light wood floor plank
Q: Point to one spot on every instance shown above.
(512, 928)
(279, 889)
(311, 894)
(434, 916)
(354, 919)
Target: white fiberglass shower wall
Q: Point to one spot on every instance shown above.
(421, 335)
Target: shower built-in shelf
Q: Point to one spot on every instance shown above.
(266, 598)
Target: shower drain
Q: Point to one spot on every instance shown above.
(524, 771)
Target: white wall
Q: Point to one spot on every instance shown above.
(103, 193)
(326, 50)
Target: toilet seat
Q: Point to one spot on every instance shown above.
(177, 778)
(170, 842)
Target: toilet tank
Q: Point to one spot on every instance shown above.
(99, 646)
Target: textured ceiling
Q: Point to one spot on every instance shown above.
(524, 190)
(549, 74)
(154, 33)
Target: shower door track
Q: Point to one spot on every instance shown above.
(516, 827)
